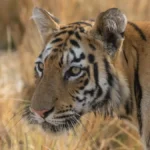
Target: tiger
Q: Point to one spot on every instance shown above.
(98, 66)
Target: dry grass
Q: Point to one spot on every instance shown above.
(16, 72)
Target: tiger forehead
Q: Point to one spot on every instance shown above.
(73, 30)
(68, 37)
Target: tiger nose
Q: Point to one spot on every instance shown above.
(42, 113)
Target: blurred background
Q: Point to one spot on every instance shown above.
(20, 44)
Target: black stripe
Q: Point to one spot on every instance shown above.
(96, 74)
(81, 29)
(90, 92)
(60, 45)
(48, 112)
(138, 92)
(62, 32)
(129, 104)
(82, 56)
(86, 82)
(99, 93)
(77, 36)
(142, 35)
(72, 52)
(128, 108)
(80, 100)
(100, 104)
(56, 40)
(75, 43)
(109, 75)
(96, 78)
(92, 47)
(91, 58)
(61, 61)
(70, 32)
(65, 116)
(75, 59)
(62, 111)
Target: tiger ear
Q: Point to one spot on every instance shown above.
(110, 27)
(46, 23)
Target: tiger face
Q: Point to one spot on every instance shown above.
(75, 72)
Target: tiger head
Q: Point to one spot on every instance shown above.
(76, 71)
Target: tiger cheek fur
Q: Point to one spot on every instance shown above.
(91, 66)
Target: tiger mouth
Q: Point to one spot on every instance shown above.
(67, 124)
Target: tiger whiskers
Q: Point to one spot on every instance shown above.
(86, 119)
(73, 127)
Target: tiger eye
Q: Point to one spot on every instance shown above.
(41, 65)
(76, 70)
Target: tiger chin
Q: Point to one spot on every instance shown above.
(91, 66)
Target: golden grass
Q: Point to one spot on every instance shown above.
(16, 81)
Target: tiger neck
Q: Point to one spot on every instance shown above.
(121, 71)
(126, 65)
